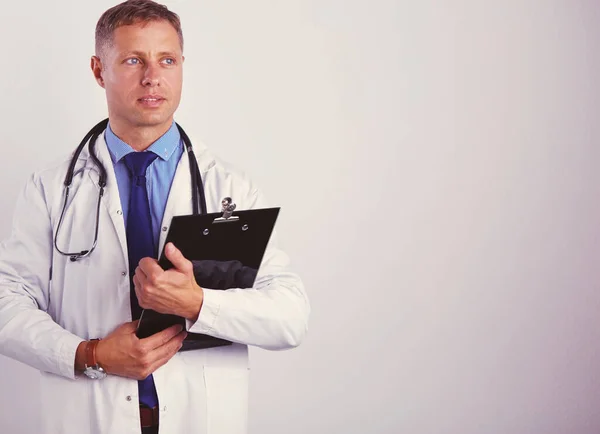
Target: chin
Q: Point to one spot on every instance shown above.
(153, 120)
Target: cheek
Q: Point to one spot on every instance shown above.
(115, 99)
(119, 87)
(175, 87)
(174, 80)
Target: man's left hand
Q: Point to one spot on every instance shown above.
(173, 291)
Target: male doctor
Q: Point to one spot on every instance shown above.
(75, 321)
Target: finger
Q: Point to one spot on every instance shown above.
(139, 271)
(134, 323)
(125, 328)
(131, 326)
(137, 288)
(140, 278)
(162, 337)
(163, 354)
(150, 268)
(141, 287)
(179, 261)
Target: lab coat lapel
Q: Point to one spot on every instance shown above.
(111, 198)
(179, 201)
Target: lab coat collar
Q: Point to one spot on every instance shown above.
(179, 201)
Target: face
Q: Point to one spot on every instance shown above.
(142, 74)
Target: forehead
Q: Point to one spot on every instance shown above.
(146, 36)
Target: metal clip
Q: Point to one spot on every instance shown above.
(227, 209)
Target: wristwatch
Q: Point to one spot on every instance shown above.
(92, 369)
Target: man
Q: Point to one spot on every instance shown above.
(74, 320)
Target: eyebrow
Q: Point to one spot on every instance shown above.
(141, 54)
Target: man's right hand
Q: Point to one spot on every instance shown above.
(123, 353)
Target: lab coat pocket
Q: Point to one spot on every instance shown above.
(64, 404)
(227, 399)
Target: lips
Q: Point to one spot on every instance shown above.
(151, 100)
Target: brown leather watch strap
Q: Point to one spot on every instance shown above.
(90, 353)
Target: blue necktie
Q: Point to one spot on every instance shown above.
(140, 244)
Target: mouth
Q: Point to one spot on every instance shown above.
(151, 101)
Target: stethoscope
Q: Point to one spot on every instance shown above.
(198, 200)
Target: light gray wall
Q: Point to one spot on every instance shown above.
(437, 168)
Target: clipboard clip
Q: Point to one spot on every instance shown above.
(227, 208)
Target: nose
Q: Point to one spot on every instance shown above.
(151, 76)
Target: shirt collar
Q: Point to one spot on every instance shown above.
(164, 147)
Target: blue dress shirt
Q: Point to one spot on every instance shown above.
(159, 176)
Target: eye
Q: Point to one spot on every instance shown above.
(132, 61)
(169, 61)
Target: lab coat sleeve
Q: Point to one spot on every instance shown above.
(272, 315)
(27, 332)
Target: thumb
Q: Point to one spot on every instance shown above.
(179, 261)
(125, 328)
(130, 327)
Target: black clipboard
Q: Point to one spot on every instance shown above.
(226, 250)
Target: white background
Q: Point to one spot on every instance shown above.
(437, 168)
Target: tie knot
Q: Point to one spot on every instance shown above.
(138, 162)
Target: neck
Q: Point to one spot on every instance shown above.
(141, 137)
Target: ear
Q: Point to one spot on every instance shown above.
(96, 65)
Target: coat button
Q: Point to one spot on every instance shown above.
(128, 398)
(119, 212)
(123, 273)
(164, 228)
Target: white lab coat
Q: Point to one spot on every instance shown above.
(43, 320)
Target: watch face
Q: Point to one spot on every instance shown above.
(95, 373)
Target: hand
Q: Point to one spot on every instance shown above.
(174, 291)
(122, 353)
